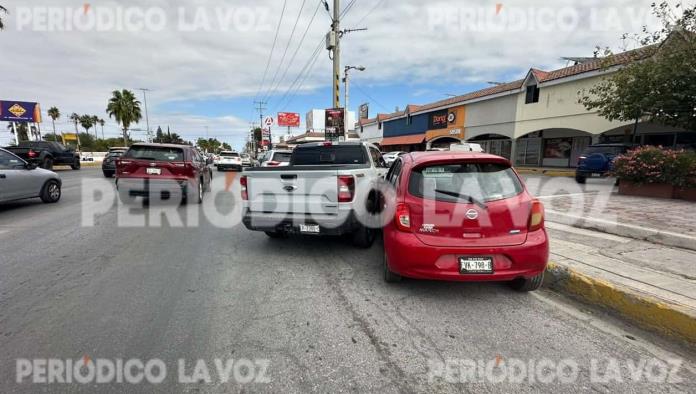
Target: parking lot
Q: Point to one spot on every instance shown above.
(317, 309)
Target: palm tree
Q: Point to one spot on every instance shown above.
(54, 114)
(95, 122)
(3, 10)
(22, 131)
(125, 108)
(75, 119)
(86, 122)
(101, 123)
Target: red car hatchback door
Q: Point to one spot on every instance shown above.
(467, 203)
(156, 163)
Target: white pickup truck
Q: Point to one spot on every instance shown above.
(324, 191)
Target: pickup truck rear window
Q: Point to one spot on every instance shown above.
(329, 155)
(155, 153)
(464, 182)
(282, 157)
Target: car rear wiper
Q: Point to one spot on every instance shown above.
(465, 197)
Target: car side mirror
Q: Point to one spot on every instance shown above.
(30, 166)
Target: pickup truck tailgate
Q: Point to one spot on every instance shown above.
(301, 192)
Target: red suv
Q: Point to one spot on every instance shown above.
(464, 217)
(162, 171)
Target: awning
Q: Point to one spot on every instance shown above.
(404, 140)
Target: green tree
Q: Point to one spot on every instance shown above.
(53, 137)
(661, 87)
(226, 146)
(22, 131)
(86, 121)
(54, 114)
(125, 108)
(75, 118)
(102, 123)
(4, 11)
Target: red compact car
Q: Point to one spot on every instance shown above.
(163, 171)
(464, 217)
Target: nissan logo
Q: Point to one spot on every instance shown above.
(289, 188)
(472, 214)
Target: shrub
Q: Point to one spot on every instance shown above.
(650, 164)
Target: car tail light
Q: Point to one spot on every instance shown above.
(536, 217)
(32, 154)
(581, 158)
(403, 217)
(273, 163)
(346, 188)
(245, 193)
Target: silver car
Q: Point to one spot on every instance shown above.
(20, 180)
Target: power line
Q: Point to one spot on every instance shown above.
(347, 9)
(294, 55)
(304, 79)
(270, 55)
(369, 97)
(285, 52)
(358, 23)
(304, 69)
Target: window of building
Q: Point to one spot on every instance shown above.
(532, 94)
(408, 120)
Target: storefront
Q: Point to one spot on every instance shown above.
(445, 127)
(551, 148)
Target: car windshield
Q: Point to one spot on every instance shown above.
(282, 157)
(155, 153)
(229, 154)
(464, 182)
(329, 155)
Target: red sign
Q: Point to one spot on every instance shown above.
(288, 119)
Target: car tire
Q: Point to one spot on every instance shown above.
(50, 193)
(363, 237)
(75, 165)
(389, 276)
(47, 164)
(275, 234)
(581, 179)
(199, 195)
(108, 174)
(531, 284)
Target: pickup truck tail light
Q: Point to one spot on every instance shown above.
(403, 218)
(536, 216)
(581, 158)
(32, 154)
(346, 188)
(245, 193)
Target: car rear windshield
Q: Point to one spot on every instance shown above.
(115, 154)
(155, 153)
(464, 182)
(229, 154)
(282, 157)
(329, 155)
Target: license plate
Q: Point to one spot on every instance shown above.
(596, 175)
(475, 265)
(312, 229)
(154, 171)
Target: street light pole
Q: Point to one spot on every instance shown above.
(147, 117)
(346, 80)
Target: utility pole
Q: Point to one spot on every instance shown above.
(147, 117)
(261, 108)
(336, 36)
(346, 81)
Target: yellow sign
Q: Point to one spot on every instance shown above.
(70, 137)
(17, 110)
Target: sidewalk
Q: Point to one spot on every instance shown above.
(639, 273)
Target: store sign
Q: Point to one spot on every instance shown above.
(455, 132)
(288, 119)
(438, 120)
(334, 123)
(20, 111)
(365, 111)
(452, 117)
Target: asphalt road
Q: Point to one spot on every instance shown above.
(316, 309)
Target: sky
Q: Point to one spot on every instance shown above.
(205, 62)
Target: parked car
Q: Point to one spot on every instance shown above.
(109, 163)
(392, 156)
(46, 154)
(597, 161)
(229, 159)
(246, 160)
(276, 158)
(164, 170)
(318, 194)
(464, 217)
(20, 179)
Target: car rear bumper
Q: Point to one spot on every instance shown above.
(151, 188)
(409, 257)
(340, 224)
(222, 166)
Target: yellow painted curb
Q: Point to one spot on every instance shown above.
(536, 171)
(646, 311)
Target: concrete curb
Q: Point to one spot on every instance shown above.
(662, 237)
(642, 309)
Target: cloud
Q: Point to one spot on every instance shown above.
(217, 50)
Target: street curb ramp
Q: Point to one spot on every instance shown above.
(644, 310)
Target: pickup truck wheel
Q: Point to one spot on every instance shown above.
(47, 164)
(50, 193)
(581, 179)
(75, 165)
(389, 276)
(199, 197)
(364, 237)
(531, 284)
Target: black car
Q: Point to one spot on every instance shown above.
(46, 154)
(109, 163)
(598, 160)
